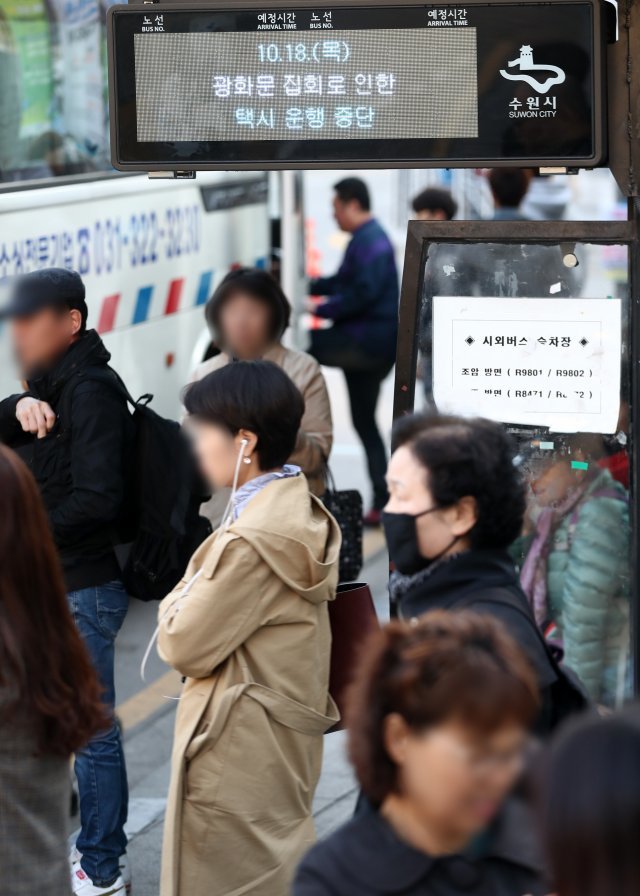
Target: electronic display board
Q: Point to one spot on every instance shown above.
(376, 84)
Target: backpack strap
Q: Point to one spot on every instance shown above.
(105, 375)
(109, 377)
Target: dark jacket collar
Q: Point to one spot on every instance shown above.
(88, 351)
(463, 573)
(377, 858)
(514, 838)
(366, 225)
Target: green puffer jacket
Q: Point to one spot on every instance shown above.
(588, 588)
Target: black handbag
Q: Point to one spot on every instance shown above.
(346, 508)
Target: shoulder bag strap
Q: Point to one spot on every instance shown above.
(503, 598)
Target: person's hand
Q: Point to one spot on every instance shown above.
(310, 305)
(313, 303)
(35, 416)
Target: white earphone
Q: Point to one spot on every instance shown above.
(243, 444)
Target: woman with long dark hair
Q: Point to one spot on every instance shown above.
(49, 696)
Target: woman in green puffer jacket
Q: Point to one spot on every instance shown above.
(576, 571)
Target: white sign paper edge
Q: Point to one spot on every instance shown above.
(446, 309)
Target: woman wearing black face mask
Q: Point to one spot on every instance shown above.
(456, 504)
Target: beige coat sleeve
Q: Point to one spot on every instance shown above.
(224, 607)
(316, 429)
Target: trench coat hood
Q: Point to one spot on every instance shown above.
(275, 529)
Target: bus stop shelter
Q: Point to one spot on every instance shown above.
(534, 325)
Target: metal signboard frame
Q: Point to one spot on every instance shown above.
(186, 168)
(422, 234)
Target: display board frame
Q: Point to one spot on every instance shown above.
(122, 159)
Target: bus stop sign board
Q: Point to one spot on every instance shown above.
(378, 84)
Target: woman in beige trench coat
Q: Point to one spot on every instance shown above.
(248, 626)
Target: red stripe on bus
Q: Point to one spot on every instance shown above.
(173, 296)
(107, 319)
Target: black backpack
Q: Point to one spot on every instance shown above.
(160, 525)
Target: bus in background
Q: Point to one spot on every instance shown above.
(150, 251)
(150, 254)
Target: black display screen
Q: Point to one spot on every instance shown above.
(373, 85)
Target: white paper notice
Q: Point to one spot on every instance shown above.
(544, 362)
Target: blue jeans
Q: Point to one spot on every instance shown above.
(100, 767)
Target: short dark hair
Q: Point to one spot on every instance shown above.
(509, 186)
(469, 457)
(354, 189)
(435, 199)
(253, 395)
(591, 807)
(444, 666)
(258, 284)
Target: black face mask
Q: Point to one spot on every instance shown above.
(402, 541)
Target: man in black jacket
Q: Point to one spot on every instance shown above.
(75, 434)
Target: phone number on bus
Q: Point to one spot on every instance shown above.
(109, 244)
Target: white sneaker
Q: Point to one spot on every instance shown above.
(124, 864)
(125, 867)
(81, 885)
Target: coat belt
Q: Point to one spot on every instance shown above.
(283, 710)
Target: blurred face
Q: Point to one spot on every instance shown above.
(555, 484)
(40, 339)
(348, 214)
(217, 452)
(341, 213)
(454, 777)
(409, 493)
(245, 322)
(431, 214)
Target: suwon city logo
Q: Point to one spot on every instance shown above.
(541, 78)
